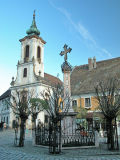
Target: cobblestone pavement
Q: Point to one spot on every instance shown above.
(9, 152)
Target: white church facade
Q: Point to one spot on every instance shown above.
(30, 73)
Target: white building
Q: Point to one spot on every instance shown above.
(30, 72)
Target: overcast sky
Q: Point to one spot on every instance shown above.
(90, 27)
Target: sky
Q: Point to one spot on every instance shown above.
(90, 27)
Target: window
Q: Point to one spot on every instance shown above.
(7, 120)
(27, 52)
(38, 52)
(46, 95)
(46, 118)
(7, 107)
(87, 102)
(25, 72)
(61, 105)
(4, 119)
(74, 103)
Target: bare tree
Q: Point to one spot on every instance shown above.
(108, 96)
(53, 99)
(19, 104)
(24, 103)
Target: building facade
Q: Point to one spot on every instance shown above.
(84, 78)
(30, 73)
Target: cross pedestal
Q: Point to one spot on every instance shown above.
(68, 123)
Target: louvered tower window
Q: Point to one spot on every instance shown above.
(25, 72)
(27, 52)
(38, 52)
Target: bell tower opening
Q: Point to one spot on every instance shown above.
(25, 72)
(39, 54)
(26, 57)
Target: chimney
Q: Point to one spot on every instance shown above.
(90, 64)
(94, 62)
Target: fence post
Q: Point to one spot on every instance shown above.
(96, 139)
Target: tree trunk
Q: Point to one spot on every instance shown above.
(108, 131)
(34, 130)
(33, 124)
(110, 134)
(22, 133)
(34, 117)
(53, 137)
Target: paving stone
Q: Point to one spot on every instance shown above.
(29, 152)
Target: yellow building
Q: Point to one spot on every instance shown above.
(85, 77)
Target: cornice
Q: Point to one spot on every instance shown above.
(33, 36)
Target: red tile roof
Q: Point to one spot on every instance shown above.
(52, 80)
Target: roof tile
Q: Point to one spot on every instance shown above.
(83, 80)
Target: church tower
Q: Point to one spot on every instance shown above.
(30, 68)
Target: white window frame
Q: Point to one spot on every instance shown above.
(76, 102)
(85, 102)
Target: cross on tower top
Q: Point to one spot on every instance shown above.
(34, 13)
(66, 50)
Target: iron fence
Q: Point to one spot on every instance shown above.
(52, 136)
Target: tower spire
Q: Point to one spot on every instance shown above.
(34, 13)
(33, 22)
(33, 28)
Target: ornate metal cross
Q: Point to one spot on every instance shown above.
(66, 50)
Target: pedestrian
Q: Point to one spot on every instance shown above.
(4, 125)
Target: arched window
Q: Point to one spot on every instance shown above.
(38, 52)
(27, 51)
(7, 120)
(25, 72)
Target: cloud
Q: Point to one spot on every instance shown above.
(107, 53)
(83, 32)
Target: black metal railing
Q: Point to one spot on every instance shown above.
(50, 136)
